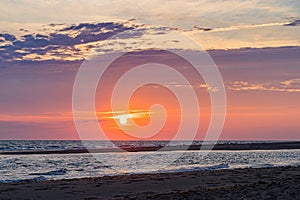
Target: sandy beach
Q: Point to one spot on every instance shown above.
(264, 183)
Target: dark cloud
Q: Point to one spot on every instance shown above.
(8, 37)
(30, 42)
(40, 36)
(94, 27)
(23, 30)
(58, 41)
(294, 23)
(201, 28)
(53, 25)
(13, 49)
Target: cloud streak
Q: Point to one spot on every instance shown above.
(292, 86)
(242, 27)
(294, 23)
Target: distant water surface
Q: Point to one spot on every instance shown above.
(44, 145)
(64, 166)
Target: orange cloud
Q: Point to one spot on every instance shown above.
(284, 86)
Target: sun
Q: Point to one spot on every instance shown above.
(123, 119)
(126, 119)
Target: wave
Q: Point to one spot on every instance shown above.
(264, 165)
(51, 173)
(194, 169)
(39, 178)
(216, 167)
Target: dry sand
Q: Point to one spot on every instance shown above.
(266, 183)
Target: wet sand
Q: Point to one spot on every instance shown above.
(265, 183)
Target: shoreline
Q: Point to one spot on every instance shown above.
(219, 147)
(249, 183)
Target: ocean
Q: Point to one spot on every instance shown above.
(52, 166)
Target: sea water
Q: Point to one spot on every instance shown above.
(14, 168)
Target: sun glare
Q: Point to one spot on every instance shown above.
(123, 119)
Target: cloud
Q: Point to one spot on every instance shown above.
(175, 13)
(8, 37)
(202, 29)
(209, 87)
(292, 82)
(292, 85)
(58, 44)
(220, 24)
(294, 23)
(241, 27)
(62, 42)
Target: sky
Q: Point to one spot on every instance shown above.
(254, 44)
